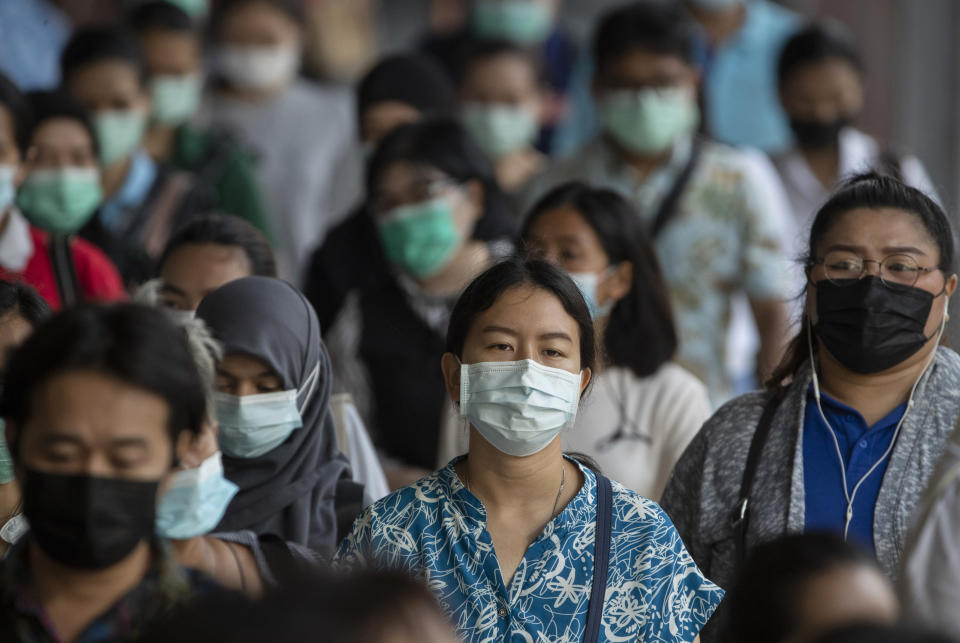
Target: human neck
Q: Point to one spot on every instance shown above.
(824, 163)
(114, 177)
(874, 395)
(515, 169)
(471, 259)
(63, 589)
(503, 481)
(643, 165)
(159, 142)
(721, 25)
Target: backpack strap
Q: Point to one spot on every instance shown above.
(741, 514)
(668, 207)
(64, 270)
(601, 559)
(284, 566)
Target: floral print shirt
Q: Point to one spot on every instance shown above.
(436, 529)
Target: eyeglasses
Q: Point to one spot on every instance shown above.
(843, 268)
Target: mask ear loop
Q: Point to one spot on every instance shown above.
(848, 495)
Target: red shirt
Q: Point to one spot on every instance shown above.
(96, 274)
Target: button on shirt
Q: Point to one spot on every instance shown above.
(437, 528)
(861, 447)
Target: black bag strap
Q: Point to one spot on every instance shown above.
(283, 565)
(741, 515)
(601, 559)
(668, 207)
(64, 271)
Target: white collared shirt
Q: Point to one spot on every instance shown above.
(16, 243)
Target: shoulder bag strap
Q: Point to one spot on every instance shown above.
(741, 514)
(601, 559)
(668, 207)
(284, 567)
(64, 272)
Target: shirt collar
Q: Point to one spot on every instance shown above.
(16, 244)
(133, 192)
(843, 415)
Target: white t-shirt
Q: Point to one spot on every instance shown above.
(637, 428)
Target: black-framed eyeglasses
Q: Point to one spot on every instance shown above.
(844, 267)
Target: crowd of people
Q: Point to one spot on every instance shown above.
(288, 360)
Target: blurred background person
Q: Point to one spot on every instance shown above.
(298, 130)
(95, 402)
(794, 588)
(533, 25)
(224, 171)
(398, 90)
(737, 51)
(869, 633)
(275, 426)
(438, 220)
(643, 409)
(501, 105)
(22, 309)
(35, 32)
(143, 201)
(369, 607)
(59, 194)
(820, 75)
(210, 251)
(706, 206)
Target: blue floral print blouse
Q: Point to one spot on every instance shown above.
(436, 529)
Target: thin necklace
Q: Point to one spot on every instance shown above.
(553, 512)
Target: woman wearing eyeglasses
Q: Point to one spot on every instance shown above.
(852, 423)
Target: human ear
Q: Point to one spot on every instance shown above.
(585, 376)
(618, 284)
(474, 192)
(450, 366)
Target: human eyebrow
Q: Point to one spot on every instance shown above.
(558, 334)
(842, 246)
(123, 443)
(500, 329)
(898, 250)
(62, 438)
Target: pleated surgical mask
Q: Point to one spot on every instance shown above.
(195, 501)
(258, 67)
(518, 407)
(252, 425)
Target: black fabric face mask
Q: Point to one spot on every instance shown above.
(815, 134)
(85, 521)
(869, 326)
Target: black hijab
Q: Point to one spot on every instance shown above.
(290, 490)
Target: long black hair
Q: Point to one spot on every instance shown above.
(640, 333)
(873, 191)
(484, 291)
(444, 144)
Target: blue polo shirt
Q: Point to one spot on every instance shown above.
(861, 446)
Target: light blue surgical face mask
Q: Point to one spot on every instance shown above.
(7, 192)
(252, 425)
(195, 501)
(587, 282)
(518, 407)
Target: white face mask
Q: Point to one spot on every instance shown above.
(251, 67)
(518, 407)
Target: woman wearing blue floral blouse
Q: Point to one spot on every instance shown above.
(507, 535)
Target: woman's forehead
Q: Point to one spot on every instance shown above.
(528, 310)
(878, 231)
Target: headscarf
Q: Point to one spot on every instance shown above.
(290, 490)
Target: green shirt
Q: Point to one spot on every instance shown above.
(232, 169)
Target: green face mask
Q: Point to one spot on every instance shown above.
(175, 98)
(119, 133)
(420, 238)
(62, 200)
(648, 121)
(193, 8)
(6, 462)
(499, 129)
(522, 22)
